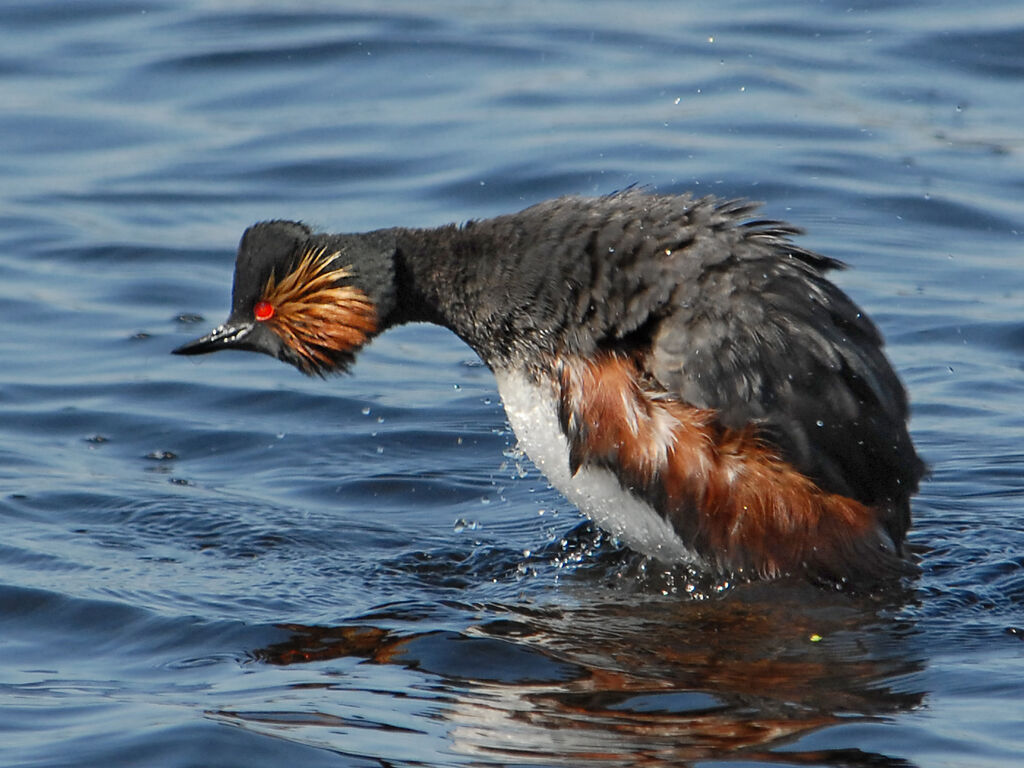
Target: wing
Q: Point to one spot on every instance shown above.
(763, 338)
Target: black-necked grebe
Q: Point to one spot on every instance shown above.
(687, 377)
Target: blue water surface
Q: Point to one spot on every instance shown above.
(222, 563)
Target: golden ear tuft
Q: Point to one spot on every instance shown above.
(314, 315)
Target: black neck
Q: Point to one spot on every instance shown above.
(472, 281)
(561, 277)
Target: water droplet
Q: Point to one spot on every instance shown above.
(820, 423)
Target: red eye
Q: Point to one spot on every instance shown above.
(263, 310)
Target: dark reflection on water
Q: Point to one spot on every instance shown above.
(222, 563)
(651, 680)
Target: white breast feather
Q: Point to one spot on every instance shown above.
(532, 412)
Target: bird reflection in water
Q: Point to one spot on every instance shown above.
(629, 682)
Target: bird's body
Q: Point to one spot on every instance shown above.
(688, 378)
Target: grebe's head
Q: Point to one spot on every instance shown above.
(309, 300)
